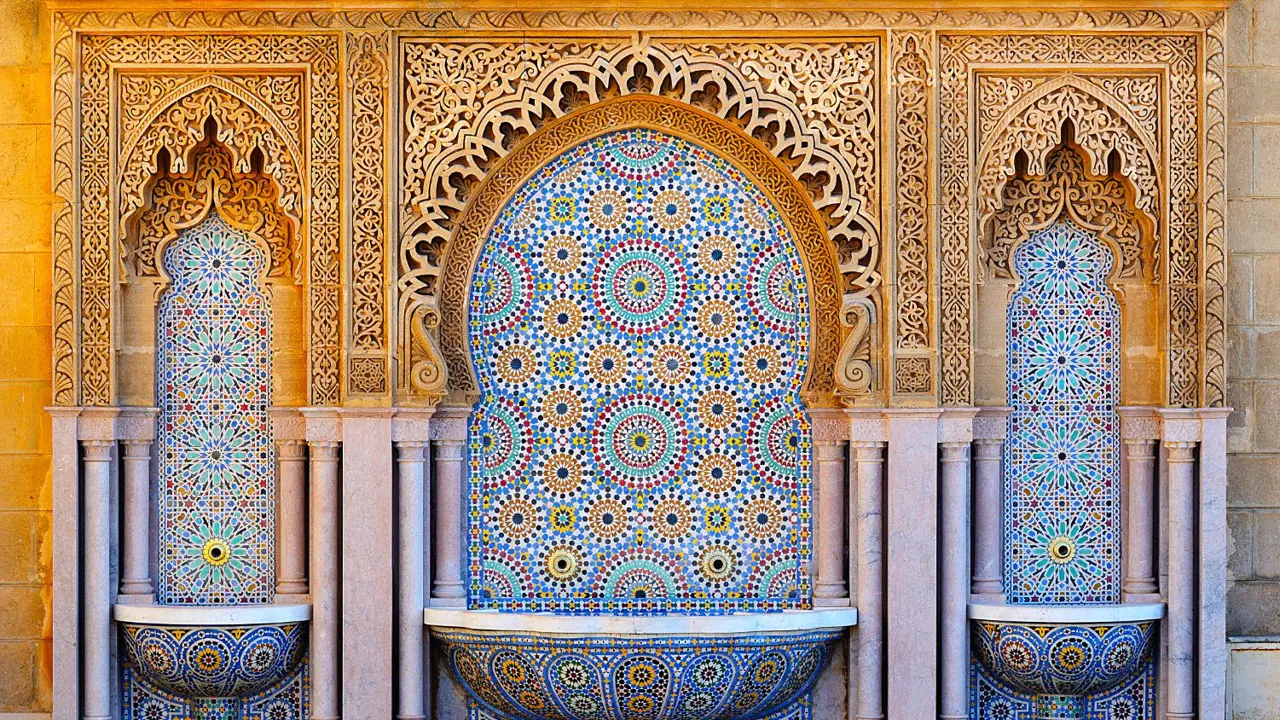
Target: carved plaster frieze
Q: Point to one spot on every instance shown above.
(813, 105)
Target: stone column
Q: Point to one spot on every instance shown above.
(368, 569)
(1139, 430)
(136, 430)
(1212, 567)
(289, 431)
(869, 634)
(1180, 434)
(97, 437)
(323, 430)
(912, 552)
(830, 435)
(411, 432)
(955, 432)
(66, 563)
(990, 429)
(449, 433)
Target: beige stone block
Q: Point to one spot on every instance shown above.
(1253, 225)
(24, 95)
(17, 561)
(23, 612)
(1254, 93)
(1239, 160)
(1266, 539)
(1239, 289)
(1266, 28)
(1267, 353)
(22, 480)
(1255, 681)
(21, 297)
(289, 379)
(24, 34)
(24, 425)
(1266, 287)
(17, 675)
(1241, 420)
(1240, 537)
(1266, 160)
(28, 225)
(1239, 29)
(1253, 608)
(25, 353)
(1266, 436)
(25, 163)
(1253, 481)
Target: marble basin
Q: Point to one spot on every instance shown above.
(729, 667)
(215, 656)
(1063, 654)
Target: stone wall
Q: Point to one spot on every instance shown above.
(1253, 188)
(25, 347)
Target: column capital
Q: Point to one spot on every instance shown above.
(287, 423)
(137, 449)
(137, 424)
(992, 423)
(1179, 425)
(1139, 422)
(412, 424)
(830, 426)
(98, 423)
(322, 425)
(956, 425)
(867, 424)
(97, 450)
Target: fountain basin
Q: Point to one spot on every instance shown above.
(214, 655)
(1063, 654)
(543, 666)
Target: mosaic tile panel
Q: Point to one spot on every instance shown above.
(217, 480)
(290, 699)
(1134, 699)
(639, 325)
(1061, 461)
(618, 678)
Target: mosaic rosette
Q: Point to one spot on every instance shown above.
(214, 662)
(1061, 460)
(1062, 660)
(636, 678)
(639, 327)
(217, 460)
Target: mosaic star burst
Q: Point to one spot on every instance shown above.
(639, 326)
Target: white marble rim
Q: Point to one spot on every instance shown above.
(1067, 614)
(642, 625)
(213, 615)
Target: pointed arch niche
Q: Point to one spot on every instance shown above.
(1066, 157)
(211, 173)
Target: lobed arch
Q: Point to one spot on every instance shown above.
(827, 331)
(178, 124)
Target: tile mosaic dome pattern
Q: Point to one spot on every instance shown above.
(1061, 461)
(639, 678)
(217, 463)
(639, 326)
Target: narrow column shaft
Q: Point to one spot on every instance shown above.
(97, 579)
(988, 506)
(1182, 572)
(135, 574)
(449, 525)
(1140, 575)
(955, 581)
(324, 580)
(869, 460)
(410, 461)
(830, 588)
(291, 518)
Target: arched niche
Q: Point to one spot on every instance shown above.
(1066, 154)
(180, 196)
(451, 369)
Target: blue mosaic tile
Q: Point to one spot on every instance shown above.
(1134, 699)
(217, 462)
(1061, 460)
(639, 328)
(516, 677)
(290, 699)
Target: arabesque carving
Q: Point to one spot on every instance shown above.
(369, 80)
(103, 58)
(246, 200)
(677, 118)
(1031, 203)
(467, 104)
(1093, 111)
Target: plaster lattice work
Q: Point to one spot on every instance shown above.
(1062, 457)
(217, 462)
(811, 104)
(641, 335)
(103, 58)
